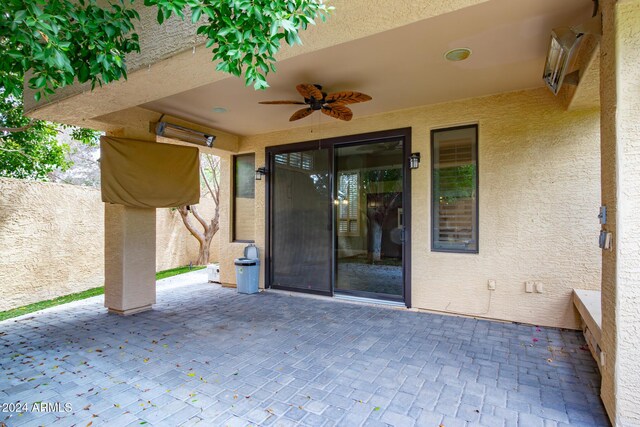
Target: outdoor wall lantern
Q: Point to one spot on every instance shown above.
(414, 161)
(260, 172)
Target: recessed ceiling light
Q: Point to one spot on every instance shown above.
(219, 110)
(458, 54)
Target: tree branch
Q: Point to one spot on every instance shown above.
(10, 150)
(206, 181)
(199, 217)
(28, 126)
(184, 213)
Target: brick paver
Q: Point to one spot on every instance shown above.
(207, 356)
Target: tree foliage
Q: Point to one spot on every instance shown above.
(31, 153)
(58, 41)
(245, 35)
(33, 149)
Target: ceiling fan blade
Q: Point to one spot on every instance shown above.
(308, 91)
(347, 97)
(282, 102)
(301, 114)
(338, 112)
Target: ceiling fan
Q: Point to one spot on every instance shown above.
(333, 104)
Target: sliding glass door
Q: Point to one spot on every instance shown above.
(301, 221)
(369, 229)
(337, 216)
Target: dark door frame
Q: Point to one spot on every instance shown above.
(271, 151)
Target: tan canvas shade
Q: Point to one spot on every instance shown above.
(148, 174)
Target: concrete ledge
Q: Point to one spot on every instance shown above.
(589, 306)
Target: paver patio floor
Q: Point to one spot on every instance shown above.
(206, 355)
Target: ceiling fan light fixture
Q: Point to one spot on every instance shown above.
(333, 104)
(457, 54)
(219, 110)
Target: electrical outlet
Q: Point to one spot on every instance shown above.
(539, 287)
(491, 285)
(528, 287)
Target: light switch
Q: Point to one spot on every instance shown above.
(492, 285)
(539, 287)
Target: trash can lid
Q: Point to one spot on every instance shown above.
(246, 261)
(251, 251)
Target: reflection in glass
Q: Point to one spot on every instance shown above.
(369, 227)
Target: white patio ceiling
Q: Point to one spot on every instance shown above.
(400, 68)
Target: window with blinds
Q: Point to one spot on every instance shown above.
(244, 188)
(295, 160)
(455, 189)
(348, 204)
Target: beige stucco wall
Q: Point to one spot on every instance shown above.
(52, 240)
(539, 187)
(619, 92)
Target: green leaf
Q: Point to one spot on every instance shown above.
(196, 14)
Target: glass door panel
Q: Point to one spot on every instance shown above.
(369, 219)
(301, 221)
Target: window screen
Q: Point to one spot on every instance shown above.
(455, 189)
(244, 197)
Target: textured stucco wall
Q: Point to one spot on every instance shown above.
(52, 240)
(539, 194)
(620, 146)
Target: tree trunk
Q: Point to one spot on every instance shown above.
(376, 241)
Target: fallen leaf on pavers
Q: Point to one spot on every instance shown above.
(165, 345)
(549, 360)
(86, 408)
(377, 408)
(121, 347)
(90, 423)
(235, 396)
(154, 342)
(98, 350)
(191, 374)
(146, 360)
(269, 410)
(117, 405)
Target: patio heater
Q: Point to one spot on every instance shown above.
(562, 47)
(181, 133)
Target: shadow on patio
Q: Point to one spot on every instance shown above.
(206, 355)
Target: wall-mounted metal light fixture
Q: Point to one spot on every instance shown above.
(181, 133)
(562, 46)
(414, 161)
(260, 172)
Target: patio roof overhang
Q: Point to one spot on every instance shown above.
(395, 54)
